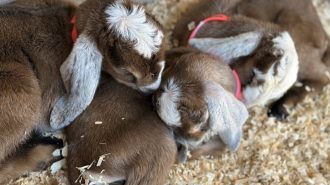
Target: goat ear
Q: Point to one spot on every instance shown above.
(80, 73)
(4, 2)
(230, 47)
(227, 114)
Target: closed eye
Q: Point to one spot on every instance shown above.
(251, 78)
(153, 75)
(204, 129)
(183, 109)
(116, 58)
(130, 77)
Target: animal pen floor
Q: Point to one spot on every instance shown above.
(296, 151)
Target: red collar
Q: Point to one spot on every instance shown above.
(74, 33)
(221, 18)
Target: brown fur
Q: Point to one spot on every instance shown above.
(35, 40)
(191, 70)
(139, 147)
(299, 18)
(18, 118)
(196, 13)
(25, 162)
(214, 147)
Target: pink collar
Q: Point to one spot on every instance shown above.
(221, 18)
(74, 33)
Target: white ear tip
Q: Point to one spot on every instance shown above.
(234, 142)
(231, 139)
(235, 138)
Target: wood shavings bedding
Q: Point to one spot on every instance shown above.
(296, 151)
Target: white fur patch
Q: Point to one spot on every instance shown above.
(168, 110)
(57, 153)
(154, 86)
(99, 178)
(133, 25)
(80, 73)
(275, 86)
(57, 166)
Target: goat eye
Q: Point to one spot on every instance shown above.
(183, 109)
(134, 80)
(204, 129)
(153, 75)
(126, 72)
(251, 78)
(129, 75)
(115, 56)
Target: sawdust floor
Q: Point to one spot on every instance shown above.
(296, 151)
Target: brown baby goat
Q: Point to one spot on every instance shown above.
(197, 100)
(119, 138)
(118, 36)
(36, 40)
(30, 81)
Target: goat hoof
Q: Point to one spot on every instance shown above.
(279, 112)
(57, 166)
(182, 156)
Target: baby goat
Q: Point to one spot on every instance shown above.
(263, 53)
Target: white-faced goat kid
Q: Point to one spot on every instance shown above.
(300, 19)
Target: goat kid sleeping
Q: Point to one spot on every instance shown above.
(30, 81)
(119, 37)
(198, 99)
(263, 53)
(119, 138)
(300, 19)
(32, 92)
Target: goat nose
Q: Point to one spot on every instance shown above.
(146, 91)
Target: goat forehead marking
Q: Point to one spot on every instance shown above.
(134, 26)
(287, 71)
(168, 110)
